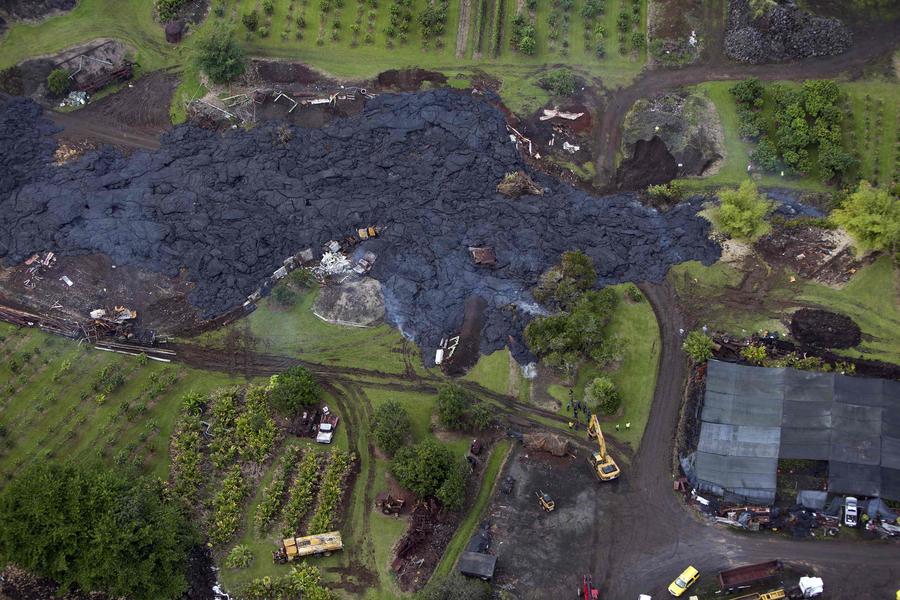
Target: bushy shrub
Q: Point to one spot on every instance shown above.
(602, 396)
(219, 56)
(452, 403)
(698, 346)
(741, 213)
(562, 82)
(250, 20)
(239, 557)
(390, 426)
(872, 217)
(293, 390)
(754, 354)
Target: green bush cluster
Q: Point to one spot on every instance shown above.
(96, 529)
(303, 581)
(255, 428)
(168, 9)
(219, 55)
(293, 390)
(330, 492)
(698, 346)
(872, 217)
(602, 396)
(562, 82)
(275, 493)
(391, 426)
(239, 557)
(430, 469)
(524, 35)
(741, 213)
(302, 492)
(227, 504)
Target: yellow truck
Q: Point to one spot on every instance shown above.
(294, 548)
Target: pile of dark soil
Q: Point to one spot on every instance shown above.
(143, 105)
(408, 80)
(824, 329)
(688, 125)
(651, 164)
(227, 210)
(784, 33)
(19, 10)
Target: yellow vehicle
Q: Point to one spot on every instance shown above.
(546, 501)
(294, 548)
(367, 232)
(774, 595)
(603, 464)
(684, 581)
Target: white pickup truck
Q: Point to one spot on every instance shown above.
(327, 426)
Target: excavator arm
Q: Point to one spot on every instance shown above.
(595, 432)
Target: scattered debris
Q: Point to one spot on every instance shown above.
(517, 183)
(555, 112)
(483, 255)
(554, 443)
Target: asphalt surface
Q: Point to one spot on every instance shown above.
(654, 536)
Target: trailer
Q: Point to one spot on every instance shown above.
(294, 548)
(740, 577)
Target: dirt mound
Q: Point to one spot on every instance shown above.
(811, 252)
(650, 164)
(227, 210)
(784, 33)
(825, 329)
(358, 303)
(20, 10)
(543, 441)
(281, 71)
(688, 125)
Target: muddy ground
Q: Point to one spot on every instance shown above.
(539, 554)
(142, 105)
(31, 10)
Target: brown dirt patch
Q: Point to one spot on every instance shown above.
(651, 164)
(817, 327)
(811, 252)
(285, 72)
(161, 302)
(408, 80)
(143, 104)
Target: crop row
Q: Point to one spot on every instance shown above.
(276, 492)
(330, 492)
(302, 493)
(226, 515)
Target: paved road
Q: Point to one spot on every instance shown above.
(653, 536)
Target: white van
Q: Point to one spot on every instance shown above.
(851, 512)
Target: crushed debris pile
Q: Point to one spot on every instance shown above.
(517, 183)
(786, 32)
(544, 441)
(225, 210)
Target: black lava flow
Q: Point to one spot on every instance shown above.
(229, 208)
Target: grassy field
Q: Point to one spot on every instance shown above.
(492, 372)
(870, 128)
(296, 331)
(870, 299)
(346, 53)
(51, 409)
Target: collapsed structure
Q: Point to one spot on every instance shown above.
(754, 416)
(227, 209)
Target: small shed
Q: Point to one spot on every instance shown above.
(483, 255)
(477, 564)
(174, 31)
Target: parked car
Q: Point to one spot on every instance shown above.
(687, 578)
(327, 426)
(851, 511)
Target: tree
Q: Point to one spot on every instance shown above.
(481, 416)
(423, 468)
(765, 155)
(292, 390)
(750, 91)
(58, 82)
(742, 212)
(565, 282)
(283, 296)
(250, 20)
(391, 426)
(452, 492)
(601, 394)
(698, 346)
(527, 45)
(455, 587)
(97, 529)
(452, 403)
(872, 217)
(219, 56)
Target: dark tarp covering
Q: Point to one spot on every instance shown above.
(813, 499)
(752, 416)
(476, 564)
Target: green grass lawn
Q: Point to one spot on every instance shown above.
(47, 419)
(296, 331)
(492, 372)
(877, 146)
(870, 299)
(128, 20)
(737, 150)
(634, 375)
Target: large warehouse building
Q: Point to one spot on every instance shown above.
(754, 416)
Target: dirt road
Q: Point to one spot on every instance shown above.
(870, 45)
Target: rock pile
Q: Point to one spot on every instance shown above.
(423, 167)
(784, 33)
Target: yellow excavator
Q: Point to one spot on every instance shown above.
(602, 463)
